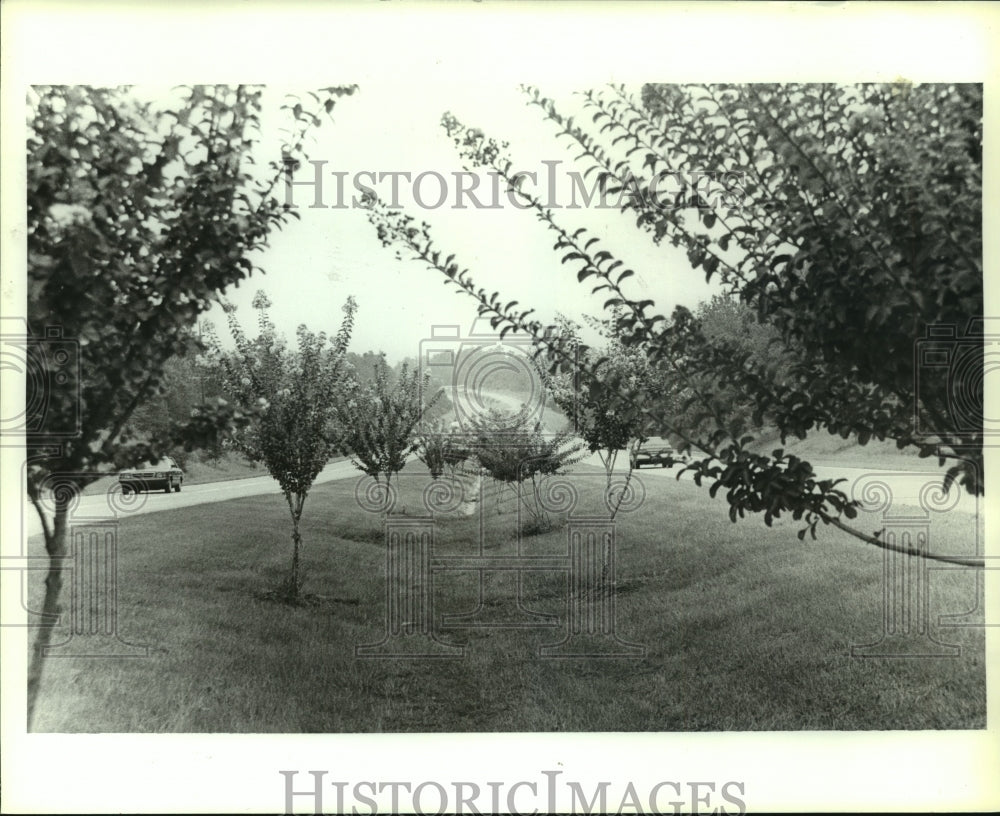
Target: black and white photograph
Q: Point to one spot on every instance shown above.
(499, 408)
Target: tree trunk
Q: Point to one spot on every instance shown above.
(621, 494)
(296, 543)
(614, 507)
(609, 467)
(294, 579)
(55, 546)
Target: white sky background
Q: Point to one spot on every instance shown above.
(314, 264)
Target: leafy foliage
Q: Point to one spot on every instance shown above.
(850, 221)
(440, 447)
(513, 453)
(597, 412)
(847, 217)
(136, 217)
(378, 420)
(703, 400)
(600, 418)
(296, 390)
(185, 386)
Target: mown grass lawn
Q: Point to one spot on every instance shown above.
(745, 628)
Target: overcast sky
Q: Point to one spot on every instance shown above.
(394, 127)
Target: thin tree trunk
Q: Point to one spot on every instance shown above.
(388, 493)
(621, 494)
(296, 542)
(55, 546)
(295, 508)
(606, 561)
(609, 465)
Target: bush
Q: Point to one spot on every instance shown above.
(512, 454)
(442, 449)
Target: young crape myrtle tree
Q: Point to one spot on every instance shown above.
(848, 217)
(137, 216)
(295, 435)
(514, 453)
(441, 446)
(604, 422)
(378, 419)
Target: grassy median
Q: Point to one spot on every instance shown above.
(744, 627)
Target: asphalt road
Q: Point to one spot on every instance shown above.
(891, 492)
(103, 505)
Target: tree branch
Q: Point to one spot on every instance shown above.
(964, 561)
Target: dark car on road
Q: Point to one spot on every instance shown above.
(654, 451)
(164, 475)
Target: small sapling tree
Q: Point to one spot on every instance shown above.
(600, 418)
(441, 447)
(138, 215)
(294, 437)
(512, 453)
(378, 420)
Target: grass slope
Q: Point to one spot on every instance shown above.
(745, 628)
